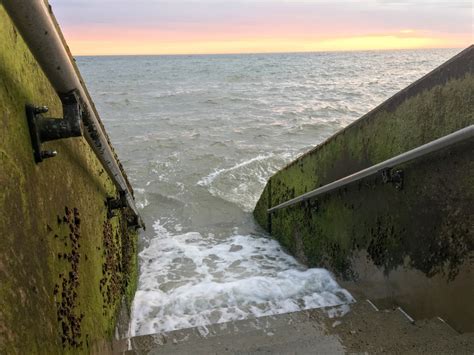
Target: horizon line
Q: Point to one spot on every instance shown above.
(260, 53)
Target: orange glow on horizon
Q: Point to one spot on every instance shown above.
(156, 44)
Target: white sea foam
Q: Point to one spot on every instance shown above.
(190, 280)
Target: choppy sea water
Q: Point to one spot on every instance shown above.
(199, 136)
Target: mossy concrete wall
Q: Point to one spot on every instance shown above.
(65, 267)
(414, 246)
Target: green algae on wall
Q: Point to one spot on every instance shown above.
(64, 265)
(370, 228)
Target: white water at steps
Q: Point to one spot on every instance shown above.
(192, 280)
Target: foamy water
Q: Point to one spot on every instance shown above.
(199, 136)
(192, 280)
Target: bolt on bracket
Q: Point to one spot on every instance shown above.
(134, 223)
(116, 204)
(312, 204)
(395, 177)
(43, 129)
(132, 220)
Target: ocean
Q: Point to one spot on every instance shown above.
(199, 136)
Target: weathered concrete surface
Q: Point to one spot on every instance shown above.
(391, 241)
(64, 266)
(362, 330)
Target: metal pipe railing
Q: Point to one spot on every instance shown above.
(38, 27)
(438, 144)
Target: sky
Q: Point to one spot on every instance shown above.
(121, 27)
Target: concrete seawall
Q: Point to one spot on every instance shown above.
(413, 247)
(66, 266)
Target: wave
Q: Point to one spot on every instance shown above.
(207, 180)
(242, 183)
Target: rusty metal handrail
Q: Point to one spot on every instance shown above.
(36, 23)
(438, 144)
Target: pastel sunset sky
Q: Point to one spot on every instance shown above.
(105, 27)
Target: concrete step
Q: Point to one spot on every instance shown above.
(363, 330)
(246, 336)
(391, 331)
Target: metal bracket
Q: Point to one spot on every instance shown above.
(134, 222)
(43, 129)
(115, 204)
(395, 177)
(312, 204)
